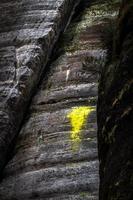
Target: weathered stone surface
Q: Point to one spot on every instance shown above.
(28, 31)
(51, 160)
(115, 114)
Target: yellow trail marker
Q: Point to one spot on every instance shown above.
(78, 117)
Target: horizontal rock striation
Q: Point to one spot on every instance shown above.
(56, 152)
(28, 31)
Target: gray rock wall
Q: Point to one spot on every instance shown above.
(56, 154)
(28, 31)
(56, 150)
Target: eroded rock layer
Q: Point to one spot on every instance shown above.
(115, 113)
(28, 31)
(56, 152)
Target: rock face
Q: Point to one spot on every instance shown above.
(56, 152)
(55, 157)
(28, 31)
(115, 114)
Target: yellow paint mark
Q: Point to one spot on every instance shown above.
(78, 117)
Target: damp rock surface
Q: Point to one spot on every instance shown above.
(28, 31)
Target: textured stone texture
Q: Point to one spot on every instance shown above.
(28, 31)
(115, 114)
(47, 163)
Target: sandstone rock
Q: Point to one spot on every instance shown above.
(52, 160)
(28, 31)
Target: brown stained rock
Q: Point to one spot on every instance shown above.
(28, 31)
